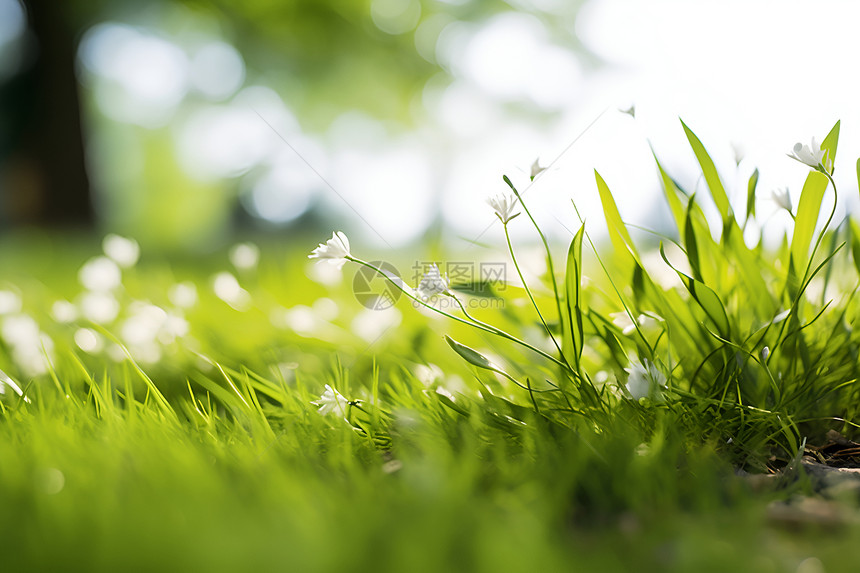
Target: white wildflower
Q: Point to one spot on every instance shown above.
(122, 250)
(228, 289)
(644, 380)
(20, 329)
(623, 321)
(503, 204)
(99, 307)
(536, 169)
(765, 352)
(89, 340)
(331, 401)
(809, 155)
(64, 312)
(10, 302)
(370, 324)
(782, 198)
(245, 256)
(334, 250)
(738, 151)
(429, 374)
(100, 274)
(432, 283)
(183, 295)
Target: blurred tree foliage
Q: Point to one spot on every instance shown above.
(325, 56)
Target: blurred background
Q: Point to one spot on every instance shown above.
(185, 123)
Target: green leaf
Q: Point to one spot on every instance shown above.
(751, 185)
(712, 178)
(671, 192)
(809, 206)
(618, 233)
(475, 358)
(690, 240)
(573, 323)
(706, 297)
(855, 245)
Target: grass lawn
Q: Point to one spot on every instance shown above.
(244, 412)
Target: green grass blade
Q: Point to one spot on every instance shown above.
(690, 240)
(809, 206)
(618, 233)
(751, 186)
(671, 192)
(706, 297)
(573, 322)
(712, 178)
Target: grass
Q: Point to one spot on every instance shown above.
(185, 436)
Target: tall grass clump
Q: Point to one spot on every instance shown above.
(751, 349)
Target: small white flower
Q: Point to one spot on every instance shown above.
(644, 380)
(503, 204)
(334, 250)
(782, 198)
(183, 295)
(739, 152)
(228, 289)
(99, 307)
(765, 352)
(100, 274)
(10, 302)
(89, 340)
(122, 250)
(811, 156)
(536, 169)
(429, 374)
(331, 401)
(623, 321)
(64, 312)
(432, 283)
(245, 256)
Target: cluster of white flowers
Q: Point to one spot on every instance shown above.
(148, 328)
(101, 277)
(31, 349)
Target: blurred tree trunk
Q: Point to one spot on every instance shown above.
(47, 181)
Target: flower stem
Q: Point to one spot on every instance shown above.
(529, 293)
(550, 266)
(470, 322)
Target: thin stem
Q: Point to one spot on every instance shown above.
(806, 278)
(550, 266)
(529, 293)
(471, 322)
(501, 333)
